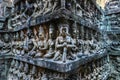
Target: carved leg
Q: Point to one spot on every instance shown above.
(73, 56)
(64, 57)
(57, 54)
(49, 54)
(39, 55)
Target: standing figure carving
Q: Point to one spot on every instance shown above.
(50, 43)
(42, 46)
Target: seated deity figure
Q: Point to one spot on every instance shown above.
(6, 49)
(64, 44)
(42, 46)
(50, 43)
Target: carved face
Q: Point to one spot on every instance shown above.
(51, 33)
(41, 36)
(64, 31)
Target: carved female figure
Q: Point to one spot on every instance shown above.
(50, 43)
(34, 41)
(42, 47)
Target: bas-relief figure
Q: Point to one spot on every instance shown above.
(34, 40)
(28, 44)
(42, 46)
(64, 44)
(6, 47)
(50, 43)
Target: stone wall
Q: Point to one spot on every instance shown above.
(58, 40)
